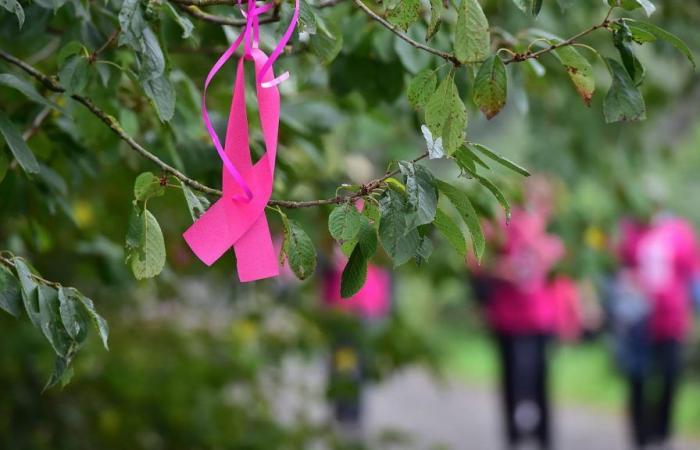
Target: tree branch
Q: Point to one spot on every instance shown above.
(191, 7)
(51, 84)
(519, 57)
(113, 124)
(394, 29)
(10, 264)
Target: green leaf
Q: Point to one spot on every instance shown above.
(580, 71)
(421, 193)
(399, 241)
(181, 20)
(74, 74)
(68, 50)
(136, 230)
(327, 44)
(488, 184)
(27, 89)
(425, 249)
(146, 186)
(421, 87)
(372, 212)
(73, 315)
(344, 222)
(466, 162)
(160, 90)
(147, 259)
(531, 7)
(472, 38)
(446, 115)
(354, 274)
(300, 250)
(436, 8)
(15, 8)
(307, 18)
(451, 231)
(638, 27)
(196, 203)
(153, 75)
(17, 146)
(491, 86)
(132, 23)
(630, 5)
(30, 290)
(502, 160)
(405, 14)
(98, 322)
(10, 293)
(367, 238)
(51, 323)
(468, 213)
(623, 102)
(623, 38)
(61, 374)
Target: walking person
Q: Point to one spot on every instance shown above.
(651, 310)
(522, 314)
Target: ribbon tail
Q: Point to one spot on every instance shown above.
(210, 237)
(255, 254)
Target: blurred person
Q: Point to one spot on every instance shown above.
(348, 361)
(521, 310)
(651, 309)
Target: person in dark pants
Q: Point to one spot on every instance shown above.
(652, 394)
(524, 381)
(659, 263)
(521, 311)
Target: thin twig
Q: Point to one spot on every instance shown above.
(394, 29)
(519, 57)
(112, 37)
(191, 7)
(11, 264)
(36, 123)
(197, 13)
(51, 84)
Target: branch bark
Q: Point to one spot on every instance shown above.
(113, 124)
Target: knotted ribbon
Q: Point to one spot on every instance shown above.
(238, 218)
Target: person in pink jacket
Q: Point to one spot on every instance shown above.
(522, 312)
(659, 261)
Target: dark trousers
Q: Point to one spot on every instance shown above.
(652, 394)
(524, 388)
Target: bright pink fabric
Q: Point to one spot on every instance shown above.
(520, 302)
(238, 219)
(664, 257)
(232, 221)
(373, 301)
(565, 295)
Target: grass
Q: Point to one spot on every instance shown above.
(581, 375)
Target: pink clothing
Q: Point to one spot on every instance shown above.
(514, 311)
(519, 300)
(663, 257)
(371, 302)
(565, 295)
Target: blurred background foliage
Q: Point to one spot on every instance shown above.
(196, 359)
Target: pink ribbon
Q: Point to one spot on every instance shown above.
(238, 218)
